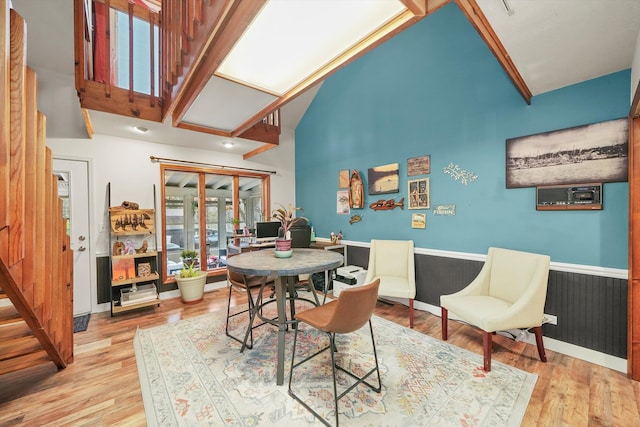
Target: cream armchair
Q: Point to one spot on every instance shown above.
(509, 292)
(392, 262)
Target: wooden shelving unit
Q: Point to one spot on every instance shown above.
(134, 258)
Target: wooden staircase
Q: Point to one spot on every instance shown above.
(36, 262)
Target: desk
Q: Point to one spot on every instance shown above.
(248, 247)
(264, 263)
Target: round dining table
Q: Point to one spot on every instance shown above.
(283, 271)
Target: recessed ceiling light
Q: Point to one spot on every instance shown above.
(141, 129)
(228, 144)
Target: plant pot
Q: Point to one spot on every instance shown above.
(192, 288)
(283, 248)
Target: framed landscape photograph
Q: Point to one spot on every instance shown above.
(384, 179)
(597, 152)
(418, 165)
(418, 192)
(418, 220)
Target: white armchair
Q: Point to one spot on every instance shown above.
(509, 292)
(392, 261)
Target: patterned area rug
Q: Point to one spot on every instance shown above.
(192, 374)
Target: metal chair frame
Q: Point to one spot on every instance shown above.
(253, 306)
(335, 367)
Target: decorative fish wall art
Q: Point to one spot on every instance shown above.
(385, 205)
(355, 218)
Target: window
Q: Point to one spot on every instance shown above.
(202, 209)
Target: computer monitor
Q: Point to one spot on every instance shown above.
(267, 230)
(301, 237)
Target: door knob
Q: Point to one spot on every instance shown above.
(81, 238)
(82, 248)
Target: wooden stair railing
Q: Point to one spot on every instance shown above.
(187, 29)
(36, 262)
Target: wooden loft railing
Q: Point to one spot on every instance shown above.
(36, 262)
(96, 75)
(187, 29)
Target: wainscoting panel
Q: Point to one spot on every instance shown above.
(591, 310)
(104, 279)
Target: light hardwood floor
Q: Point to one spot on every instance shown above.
(101, 387)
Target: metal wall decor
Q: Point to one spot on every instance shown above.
(459, 174)
(444, 210)
(419, 165)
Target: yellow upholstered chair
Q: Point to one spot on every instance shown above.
(392, 261)
(509, 293)
(351, 311)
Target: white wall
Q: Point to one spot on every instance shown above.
(635, 68)
(126, 165)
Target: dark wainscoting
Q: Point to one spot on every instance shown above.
(591, 310)
(104, 279)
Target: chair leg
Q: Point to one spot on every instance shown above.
(254, 308)
(229, 315)
(538, 331)
(332, 338)
(247, 342)
(486, 346)
(411, 313)
(359, 380)
(445, 318)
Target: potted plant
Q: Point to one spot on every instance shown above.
(190, 281)
(287, 220)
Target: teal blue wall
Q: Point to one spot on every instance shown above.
(437, 90)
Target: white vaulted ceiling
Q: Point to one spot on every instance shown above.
(552, 43)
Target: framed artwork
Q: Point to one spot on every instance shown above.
(384, 179)
(144, 269)
(343, 179)
(343, 202)
(418, 220)
(418, 193)
(123, 269)
(418, 165)
(598, 152)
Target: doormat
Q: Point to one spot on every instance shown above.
(81, 323)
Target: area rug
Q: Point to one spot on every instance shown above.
(192, 374)
(81, 323)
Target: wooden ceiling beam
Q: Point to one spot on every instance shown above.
(471, 9)
(635, 104)
(235, 20)
(258, 150)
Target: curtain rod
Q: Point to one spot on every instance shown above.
(158, 159)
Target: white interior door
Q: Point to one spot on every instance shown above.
(73, 189)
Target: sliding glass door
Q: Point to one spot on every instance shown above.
(206, 210)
